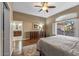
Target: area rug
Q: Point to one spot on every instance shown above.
(31, 50)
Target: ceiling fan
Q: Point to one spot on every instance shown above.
(44, 6)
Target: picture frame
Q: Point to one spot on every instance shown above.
(35, 26)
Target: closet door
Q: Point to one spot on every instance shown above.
(6, 22)
(1, 28)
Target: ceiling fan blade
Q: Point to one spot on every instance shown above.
(42, 3)
(40, 10)
(47, 11)
(38, 6)
(51, 6)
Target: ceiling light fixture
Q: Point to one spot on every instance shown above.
(44, 6)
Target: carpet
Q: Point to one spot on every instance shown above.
(31, 50)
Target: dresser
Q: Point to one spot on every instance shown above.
(37, 34)
(33, 36)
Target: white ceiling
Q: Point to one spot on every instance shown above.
(28, 8)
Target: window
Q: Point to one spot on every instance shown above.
(66, 27)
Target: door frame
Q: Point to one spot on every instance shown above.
(7, 6)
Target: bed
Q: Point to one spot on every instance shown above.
(59, 45)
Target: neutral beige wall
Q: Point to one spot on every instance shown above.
(52, 19)
(49, 22)
(28, 21)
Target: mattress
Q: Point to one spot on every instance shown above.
(59, 46)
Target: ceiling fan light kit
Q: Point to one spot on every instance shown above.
(44, 6)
